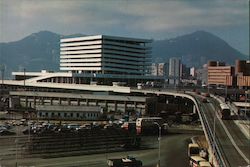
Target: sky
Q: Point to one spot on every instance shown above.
(154, 19)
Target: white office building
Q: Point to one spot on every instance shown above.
(99, 59)
(101, 54)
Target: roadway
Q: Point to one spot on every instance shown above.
(173, 153)
(235, 147)
(232, 143)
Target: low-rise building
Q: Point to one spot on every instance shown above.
(220, 74)
(60, 112)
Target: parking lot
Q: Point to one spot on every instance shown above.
(11, 147)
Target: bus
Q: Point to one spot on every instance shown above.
(224, 111)
(147, 125)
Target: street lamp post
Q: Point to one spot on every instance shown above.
(246, 101)
(24, 77)
(2, 68)
(159, 139)
(16, 142)
(214, 133)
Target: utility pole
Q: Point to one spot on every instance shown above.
(2, 68)
(24, 77)
(159, 139)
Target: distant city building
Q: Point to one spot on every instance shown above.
(220, 74)
(242, 71)
(163, 69)
(159, 69)
(154, 69)
(174, 67)
(192, 72)
(174, 70)
(201, 75)
(185, 71)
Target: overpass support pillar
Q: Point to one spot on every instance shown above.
(78, 102)
(60, 101)
(194, 109)
(167, 102)
(125, 106)
(87, 102)
(106, 105)
(42, 100)
(69, 102)
(34, 101)
(51, 101)
(26, 101)
(115, 102)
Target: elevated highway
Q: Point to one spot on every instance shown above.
(228, 145)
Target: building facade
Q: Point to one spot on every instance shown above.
(99, 59)
(242, 70)
(101, 54)
(69, 112)
(174, 71)
(219, 74)
(160, 69)
(175, 67)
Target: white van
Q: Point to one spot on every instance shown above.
(204, 164)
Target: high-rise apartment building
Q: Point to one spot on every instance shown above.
(159, 69)
(174, 67)
(163, 69)
(154, 69)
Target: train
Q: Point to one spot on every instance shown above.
(224, 111)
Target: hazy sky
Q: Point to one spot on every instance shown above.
(157, 19)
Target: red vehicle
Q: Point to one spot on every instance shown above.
(147, 125)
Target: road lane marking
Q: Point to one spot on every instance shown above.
(232, 140)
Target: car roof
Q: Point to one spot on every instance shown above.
(197, 158)
(205, 164)
(193, 145)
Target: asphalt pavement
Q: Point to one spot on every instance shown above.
(173, 153)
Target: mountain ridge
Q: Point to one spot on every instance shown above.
(196, 48)
(41, 50)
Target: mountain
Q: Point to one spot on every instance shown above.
(35, 52)
(195, 49)
(42, 51)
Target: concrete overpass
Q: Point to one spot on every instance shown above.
(228, 145)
